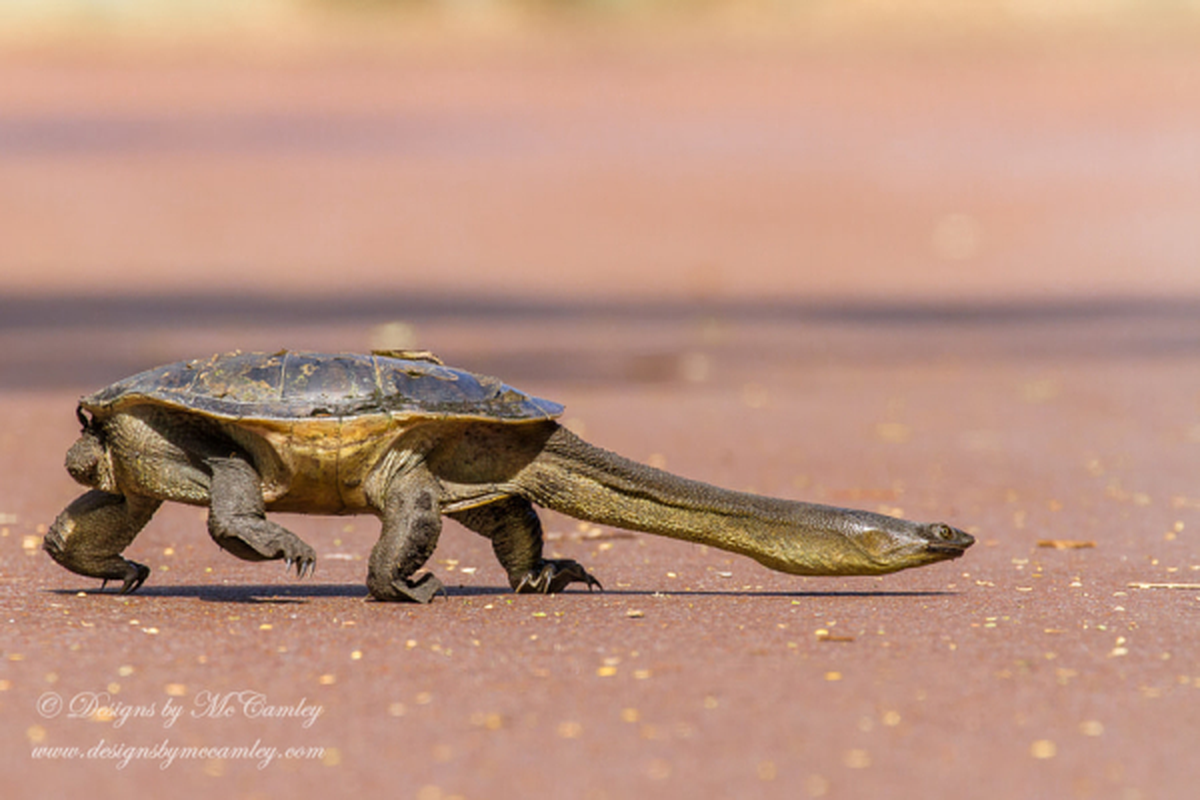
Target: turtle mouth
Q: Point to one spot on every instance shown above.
(948, 550)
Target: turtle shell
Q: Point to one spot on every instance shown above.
(296, 385)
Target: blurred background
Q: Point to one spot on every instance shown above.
(931, 258)
(592, 190)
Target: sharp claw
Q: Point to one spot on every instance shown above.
(104, 585)
(555, 576)
(304, 564)
(133, 583)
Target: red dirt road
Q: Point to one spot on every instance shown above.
(955, 287)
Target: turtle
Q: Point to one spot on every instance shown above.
(401, 435)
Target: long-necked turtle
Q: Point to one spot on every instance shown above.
(406, 438)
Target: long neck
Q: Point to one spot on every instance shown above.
(587, 482)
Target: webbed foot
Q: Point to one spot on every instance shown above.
(552, 576)
(403, 590)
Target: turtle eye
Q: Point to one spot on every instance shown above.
(943, 532)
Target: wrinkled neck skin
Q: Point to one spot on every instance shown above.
(583, 481)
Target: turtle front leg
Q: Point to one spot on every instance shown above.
(412, 523)
(237, 519)
(516, 533)
(90, 534)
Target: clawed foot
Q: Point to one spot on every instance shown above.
(267, 542)
(301, 556)
(135, 576)
(554, 576)
(402, 590)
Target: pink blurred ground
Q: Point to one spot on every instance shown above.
(954, 286)
(614, 173)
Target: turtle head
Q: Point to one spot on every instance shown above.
(88, 460)
(945, 541)
(824, 540)
(895, 544)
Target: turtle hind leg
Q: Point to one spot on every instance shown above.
(237, 519)
(516, 533)
(90, 534)
(412, 523)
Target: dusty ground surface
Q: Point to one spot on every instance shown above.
(956, 287)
